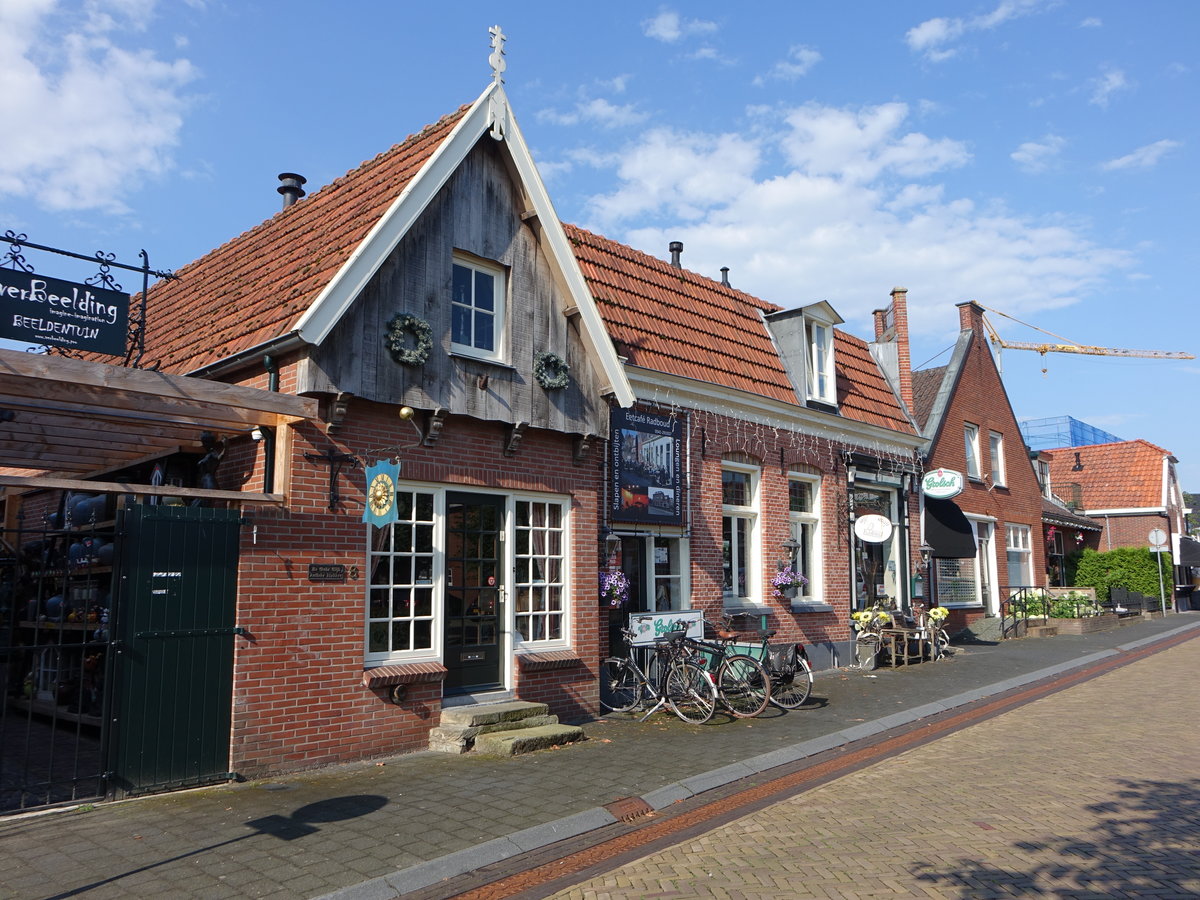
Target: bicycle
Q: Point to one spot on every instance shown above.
(743, 683)
(679, 682)
(869, 640)
(788, 669)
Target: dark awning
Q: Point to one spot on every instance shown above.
(1189, 552)
(947, 530)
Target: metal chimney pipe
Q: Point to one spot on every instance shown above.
(291, 186)
(676, 248)
(725, 276)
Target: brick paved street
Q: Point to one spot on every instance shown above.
(1090, 792)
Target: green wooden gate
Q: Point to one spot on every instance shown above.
(175, 630)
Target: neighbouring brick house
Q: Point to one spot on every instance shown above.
(1129, 487)
(986, 542)
(789, 434)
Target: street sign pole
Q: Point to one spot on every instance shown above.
(1158, 544)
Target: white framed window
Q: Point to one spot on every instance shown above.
(539, 583)
(821, 380)
(1043, 474)
(996, 453)
(477, 305)
(1020, 556)
(739, 533)
(804, 520)
(404, 562)
(971, 440)
(667, 572)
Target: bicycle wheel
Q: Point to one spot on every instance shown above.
(940, 643)
(620, 685)
(791, 686)
(743, 685)
(690, 693)
(866, 651)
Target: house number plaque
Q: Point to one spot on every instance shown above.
(326, 572)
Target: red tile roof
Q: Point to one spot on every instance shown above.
(256, 286)
(926, 384)
(1126, 475)
(671, 320)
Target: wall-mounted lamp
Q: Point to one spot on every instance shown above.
(926, 551)
(612, 542)
(851, 473)
(256, 434)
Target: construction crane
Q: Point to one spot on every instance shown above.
(1068, 346)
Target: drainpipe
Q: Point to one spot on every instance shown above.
(269, 433)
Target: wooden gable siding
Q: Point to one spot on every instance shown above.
(478, 212)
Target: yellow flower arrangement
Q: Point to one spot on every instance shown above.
(938, 613)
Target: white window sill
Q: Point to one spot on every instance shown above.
(972, 605)
(462, 354)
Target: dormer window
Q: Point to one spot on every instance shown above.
(477, 308)
(820, 363)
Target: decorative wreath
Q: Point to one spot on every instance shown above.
(551, 370)
(401, 329)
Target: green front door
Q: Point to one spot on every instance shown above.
(177, 584)
(474, 592)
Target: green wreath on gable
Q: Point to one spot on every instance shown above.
(409, 339)
(551, 370)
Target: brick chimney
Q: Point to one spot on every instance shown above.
(891, 345)
(970, 318)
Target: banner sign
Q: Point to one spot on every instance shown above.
(646, 464)
(647, 627)
(380, 507)
(36, 309)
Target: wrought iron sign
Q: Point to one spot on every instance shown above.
(64, 316)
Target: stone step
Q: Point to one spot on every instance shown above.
(491, 713)
(526, 740)
(461, 738)
(1042, 631)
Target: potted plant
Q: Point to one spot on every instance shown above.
(614, 589)
(787, 582)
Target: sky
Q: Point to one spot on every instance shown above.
(1036, 156)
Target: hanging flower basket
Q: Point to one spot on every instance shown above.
(551, 370)
(409, 339)
(787, 582)
(614, 589)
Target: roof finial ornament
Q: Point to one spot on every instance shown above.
(497, 57)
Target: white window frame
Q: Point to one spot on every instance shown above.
(511, 641)
(498, 313)
(512, 595)
(822, 383)
(996, 452)
(810, 593)
(750, 515)
(1019, 551)
(971, 446)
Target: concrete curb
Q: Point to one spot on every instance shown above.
(423, 875)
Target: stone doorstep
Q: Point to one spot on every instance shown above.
(1041, 631)
(491, 713)
(526, 740)
(460, 738)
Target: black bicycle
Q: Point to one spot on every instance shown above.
(787, 667)
(676, 680)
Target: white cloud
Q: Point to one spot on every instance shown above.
(668, 26)
(800, 60)
(931, 37)
(1091, 22)
(84, 126)
(1035, 156)
(1110, 82)
(1142, 158)
(595, 111)
(840, 204)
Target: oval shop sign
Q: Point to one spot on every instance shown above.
(942, 484)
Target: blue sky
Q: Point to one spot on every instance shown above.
(1037, 157)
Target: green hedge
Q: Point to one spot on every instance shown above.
(1135, 568)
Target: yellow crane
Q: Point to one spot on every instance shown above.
(1068, 346)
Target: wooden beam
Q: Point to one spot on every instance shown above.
(49, 482)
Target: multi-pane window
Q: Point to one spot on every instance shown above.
(668, 573)
(400, 603)
(821, 372)
(476, 308)
(540, 570)
(1020, 568)
(996, 451)
(739, 519)
(804, 520)
(971, 439)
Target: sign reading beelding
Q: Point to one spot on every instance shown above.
(36, 309)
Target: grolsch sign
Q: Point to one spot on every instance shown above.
(942, 484)
(37, 309)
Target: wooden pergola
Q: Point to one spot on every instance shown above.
(64, 423)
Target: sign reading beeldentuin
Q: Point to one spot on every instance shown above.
(37, 309)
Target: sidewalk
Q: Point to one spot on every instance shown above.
(374, 830)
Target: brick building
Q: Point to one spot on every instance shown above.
(986, 542)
